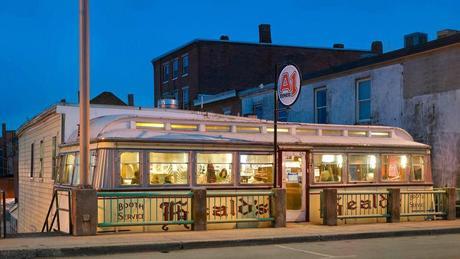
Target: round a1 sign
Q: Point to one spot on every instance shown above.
(289, 85)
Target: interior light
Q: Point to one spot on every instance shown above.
(372, 161)
(327, 158)
(404, 162)
(339, 161)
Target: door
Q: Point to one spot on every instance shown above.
(294, 181)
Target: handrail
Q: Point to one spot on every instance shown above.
(143, 194)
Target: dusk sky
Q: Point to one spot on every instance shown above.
(39, 39)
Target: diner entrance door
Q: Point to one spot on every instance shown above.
(294, 181)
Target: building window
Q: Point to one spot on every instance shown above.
(41, 154)
(175, 68)
(362, 168)
(185, 65)
(227, 110)
(328, 168)
(67, 170)
(53, 157)
(283, 114)
(176, 95)
(129, 168)
(363, 100)
(214, 168)
(185, 98)
(321, 105)
(165, 72)
(32, 160)
(256, 169)
(258, 110)
(168, 168)
(394, 167)
(418, 168)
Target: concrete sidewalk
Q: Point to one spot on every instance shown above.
(44, 245)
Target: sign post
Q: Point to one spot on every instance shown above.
(286, 90)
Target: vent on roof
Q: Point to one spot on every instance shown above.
(446, 33)
(338, 46)
(167, 104)
(224, 37)
(265, 35)
(415, 39)
(377, 47)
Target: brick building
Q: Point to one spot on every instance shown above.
(8, 161)
(207, 67)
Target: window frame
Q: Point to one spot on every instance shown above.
(238, 182)
(406, 173)
(189, 168)
(142, 167)
(164, 68)
(344, 168)
(377, 169)
(316, 108)
(358, 101)
(424, 168)
(182, 64)
(233, 168)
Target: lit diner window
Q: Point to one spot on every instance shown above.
(418, 168)
(394, 167)
(362, 168)
(76, 171)
(328, 168)
(214, 168)
(129, 168)
(67, 169)
(168, 168)
(256, 169)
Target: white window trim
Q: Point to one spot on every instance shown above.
(182, 63)
(316, 90)
(177, 76)
(358, 101)
(163, 72)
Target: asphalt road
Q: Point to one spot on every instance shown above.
(442, 246)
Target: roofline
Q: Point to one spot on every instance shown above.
(254, 44)
(386, 57)
(47, 112)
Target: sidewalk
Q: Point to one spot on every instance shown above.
(137, 242)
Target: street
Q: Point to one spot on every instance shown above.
(442, 246)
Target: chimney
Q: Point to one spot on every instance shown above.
(224, 37)
(446, 33)
(265, 35)
(377, 47)
(415, 39)
(338, 46)
(130, 99)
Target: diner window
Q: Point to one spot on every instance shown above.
(185, 65)
(165, 72)
(321, 105)
(67, 169)
(418, 168)
(363, 100)
(175, 68)
(256, 169)
(362, 168)
(328, 168)
(76, 171)
(92, 165)
(168, 168)
(394, 167)
(214, 168)
(129, 168)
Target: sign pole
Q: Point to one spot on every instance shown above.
(84, 93)
(275, 126)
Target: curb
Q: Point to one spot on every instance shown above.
(176, 245)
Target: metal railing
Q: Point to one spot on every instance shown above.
(144, 208)
(362, 205)
(234, 207)
(55, 209)
(3, 214)
(424, 203)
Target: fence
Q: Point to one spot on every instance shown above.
(144, 208)
(424, 203)
(3, 214)
(362, 205)
(391, 204)
(233, 207)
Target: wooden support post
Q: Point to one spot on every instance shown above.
(394, 205)
(278, 207)
(199, 209)
(329, 207)
(451, 199)
(84, 212)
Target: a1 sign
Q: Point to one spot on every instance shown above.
(289, 85)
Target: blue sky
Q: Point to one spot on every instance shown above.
(39, 38)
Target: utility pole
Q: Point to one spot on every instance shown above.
(84, 93)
